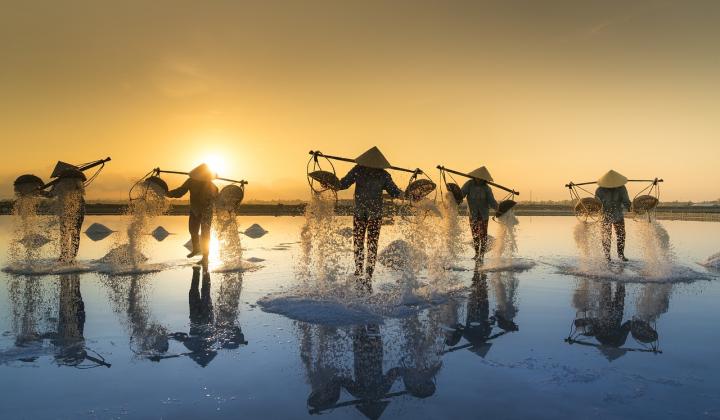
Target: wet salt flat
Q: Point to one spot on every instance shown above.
(541, 336)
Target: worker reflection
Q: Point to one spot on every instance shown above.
(370, 383)
(605, 322)
(202, 197)
(370, 179)
(200, 340)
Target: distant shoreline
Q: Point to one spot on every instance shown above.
(682, 212)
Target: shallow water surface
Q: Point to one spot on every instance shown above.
(541, 342)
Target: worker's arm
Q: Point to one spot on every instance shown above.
(349, 179)
(180, 191)
(491, 198)
(625, 199)
(391, 187)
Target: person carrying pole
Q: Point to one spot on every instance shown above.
(612, 193)
(370, 179)
(202, 197)
(480, 200)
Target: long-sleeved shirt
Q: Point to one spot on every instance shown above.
(369, 185)
(202, 195)
(480, 199)
(613, 201)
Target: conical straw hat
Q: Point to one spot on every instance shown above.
(202, 173)
(612, 179)
(373, 158)
(481, 173)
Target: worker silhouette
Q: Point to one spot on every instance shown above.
(202, 198)
(480, 200)
(370, 179)
(69, 194)
(614, 197)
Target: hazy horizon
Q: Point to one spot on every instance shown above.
(540, 92)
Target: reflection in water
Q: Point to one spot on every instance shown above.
(212, 327)
(128, 297)
(600, 307)
(374, 365)
(50, 314)
(478, 330)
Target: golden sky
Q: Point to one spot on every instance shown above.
(541, 92)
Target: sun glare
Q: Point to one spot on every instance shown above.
(216, 164)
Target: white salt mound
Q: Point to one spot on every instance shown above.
(255, 231)
(398, 254)
(160, 233)
(123, 254)
(34, 240)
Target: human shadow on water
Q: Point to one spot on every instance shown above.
(65, 331)
(479, 328)
(600, 307)
(211, 328)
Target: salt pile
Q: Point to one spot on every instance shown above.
(159, 233)
(255, 231)
(98, 232)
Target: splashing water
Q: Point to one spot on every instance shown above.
(30, 232)
(452, 232)
(505, 245)
(587, 239)
(656, 249)
(230, 245)
(128, 251)
(322, 261)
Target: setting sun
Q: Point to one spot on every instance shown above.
(216, 163)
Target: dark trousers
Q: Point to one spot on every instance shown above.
(70, 235)
(479, 229)
(363, 226)
(606, 228)
(199, 227)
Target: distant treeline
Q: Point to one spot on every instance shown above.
(345, 207)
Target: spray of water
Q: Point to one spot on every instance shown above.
(587, 238)
(230, 245)
(505, 245)
(452, 231)
(128, 250)
(322, 247)
(656, 250)
(69, 209)
(31, 232)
